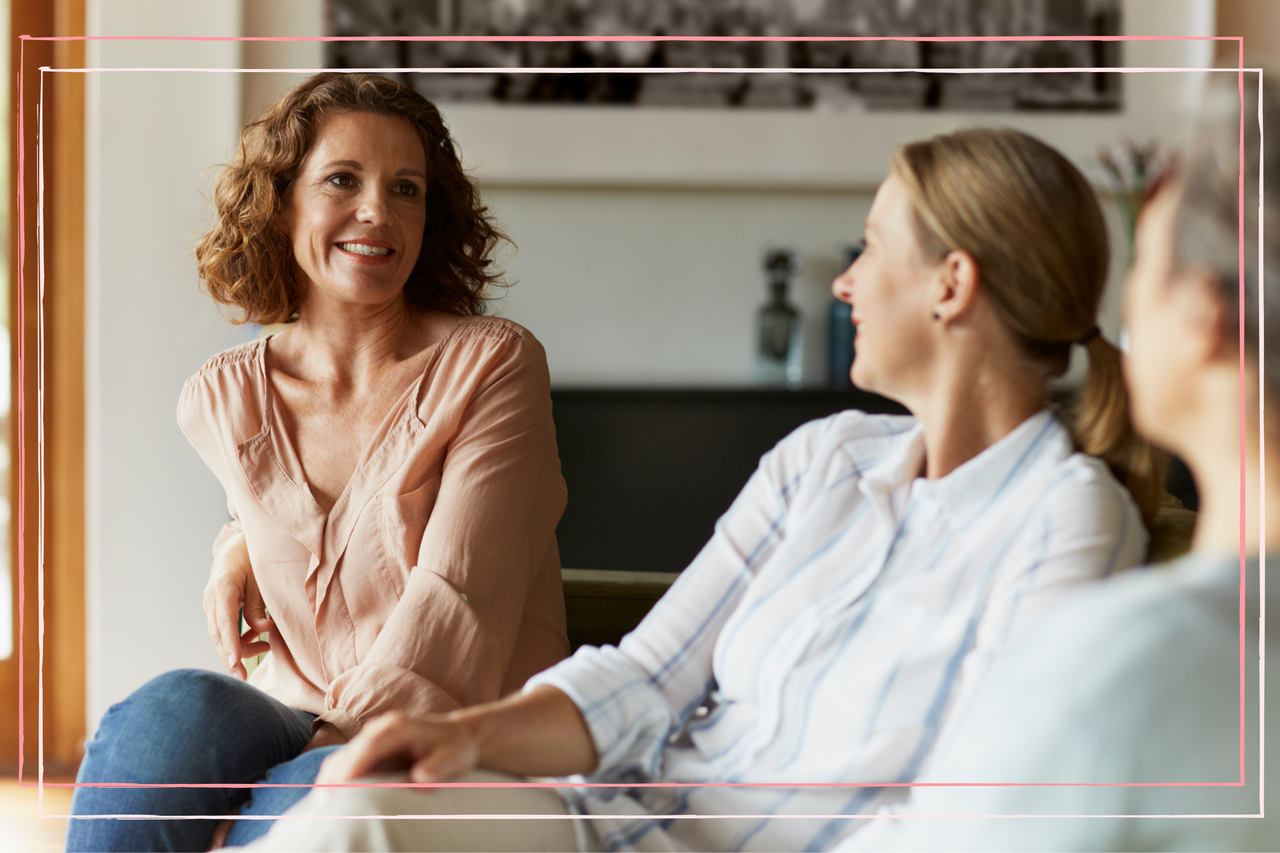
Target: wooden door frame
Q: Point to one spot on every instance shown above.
(60, 724)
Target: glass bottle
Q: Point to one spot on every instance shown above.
(779, 345)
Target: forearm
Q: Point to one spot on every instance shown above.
(368, 691)
(231, 589)
(539, 733)
(231, 554)
(416, 665)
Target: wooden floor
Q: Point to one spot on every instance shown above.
(21, 827)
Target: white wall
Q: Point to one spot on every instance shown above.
(661, 287)
(634, 285)
(153, 507)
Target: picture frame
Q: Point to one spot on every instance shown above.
(836, 149)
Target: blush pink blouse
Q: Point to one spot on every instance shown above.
(434, 582)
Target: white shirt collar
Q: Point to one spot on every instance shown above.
(972, 487)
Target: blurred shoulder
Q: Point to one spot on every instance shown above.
(1134, 675)
(1140, 633)
(1192, 600)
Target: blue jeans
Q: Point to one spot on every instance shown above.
(191, 727)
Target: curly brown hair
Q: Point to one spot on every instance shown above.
(246, 260)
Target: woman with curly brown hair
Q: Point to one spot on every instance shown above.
(389, 461)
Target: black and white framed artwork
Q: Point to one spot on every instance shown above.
(485, 20)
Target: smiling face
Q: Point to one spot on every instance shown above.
(888, 287)
(356, 211)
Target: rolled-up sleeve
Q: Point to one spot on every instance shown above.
(488, 539)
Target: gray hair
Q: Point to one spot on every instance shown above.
(1206, 230)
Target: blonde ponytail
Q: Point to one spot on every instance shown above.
(1102, 427)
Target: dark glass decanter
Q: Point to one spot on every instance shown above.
(779, 346)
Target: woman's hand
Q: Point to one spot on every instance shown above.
(539, 733)
(232, 587)
(435, 749)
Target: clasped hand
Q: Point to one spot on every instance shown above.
(538, 732)
(231, 588)
(431, 750)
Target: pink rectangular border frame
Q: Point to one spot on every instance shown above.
(1240, 70)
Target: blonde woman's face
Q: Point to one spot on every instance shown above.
(888, 287)
(357, 209)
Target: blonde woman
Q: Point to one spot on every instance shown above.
(854, 592)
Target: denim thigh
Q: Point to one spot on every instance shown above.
(187, 727)
(299, 774)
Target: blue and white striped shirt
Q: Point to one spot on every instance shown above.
(842, 609)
